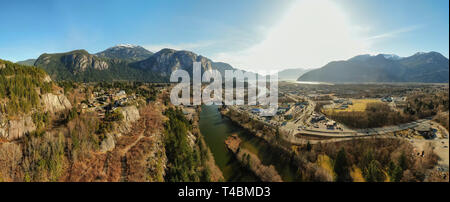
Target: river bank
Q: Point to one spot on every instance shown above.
(315, 162)
(216, 128)
(215, 173)
(251, 161)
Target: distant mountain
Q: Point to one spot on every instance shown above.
(291, 74)
(367, 56)
(29, 62)
(167, 60)
(429, 67)
(79, 65)
(76, 61)
(391, 56)
(360, 58)
(221, 67)
(125, 52)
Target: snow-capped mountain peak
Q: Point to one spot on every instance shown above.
(392, 56)
(420, 53)
(126, 51)
(126, 45)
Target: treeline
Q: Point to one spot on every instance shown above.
(443, 119)
(377, 160)
(146, 90)
(375, 115)
(68, 86)
(20, 87)
(422, 105)
(265, 131)
(186, 163)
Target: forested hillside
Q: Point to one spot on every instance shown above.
(20, 87)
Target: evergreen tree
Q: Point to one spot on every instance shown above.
(341, 167)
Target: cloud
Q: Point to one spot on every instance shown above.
(395, 33)
(311, 34)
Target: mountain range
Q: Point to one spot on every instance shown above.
(29, 62)
(291, 74)
(135, 63)
(123, 62)
(431, 67)
(126, 52)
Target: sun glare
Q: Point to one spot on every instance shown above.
(311, 34)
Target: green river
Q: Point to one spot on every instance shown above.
(216, 128)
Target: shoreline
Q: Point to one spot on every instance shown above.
(267, 173)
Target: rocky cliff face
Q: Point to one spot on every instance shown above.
(123, 62)
(130, 115)
(14, 129)
(108, 144)
(76, 61)
(54, 103)
(47, 78)
(80, 62)
(168, 60)
(16, 121)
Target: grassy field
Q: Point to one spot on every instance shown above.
(356, 174)
(325, 162)
(359, 105)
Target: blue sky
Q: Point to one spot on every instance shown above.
(249, 34)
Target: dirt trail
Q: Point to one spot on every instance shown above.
(141, 127)
(123, 151)
(143, 130)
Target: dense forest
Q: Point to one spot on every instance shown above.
(20, 87)
(430, 104)
(375, 115)
(370, 160)
(421, 105)
(186, 161)
(146, 90)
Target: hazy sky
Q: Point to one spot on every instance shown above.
(249, 34)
